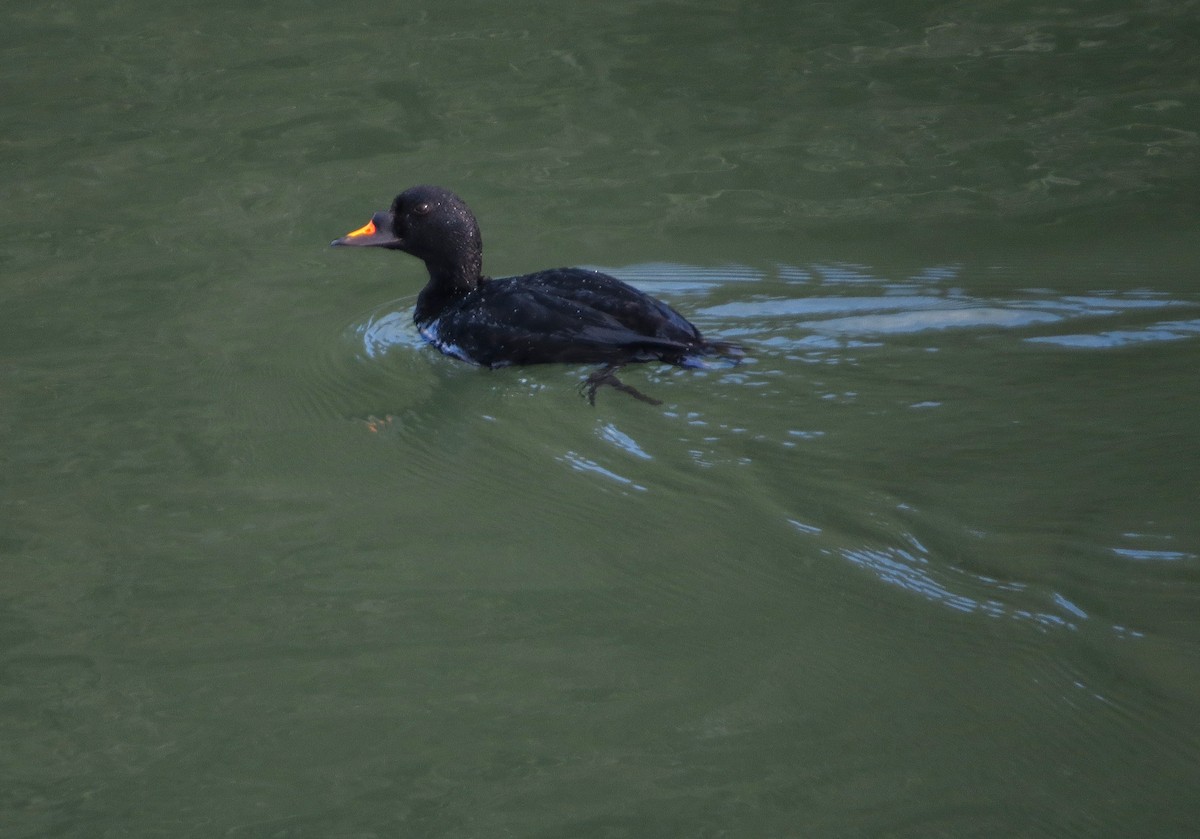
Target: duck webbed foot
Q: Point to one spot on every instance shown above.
(607, 375)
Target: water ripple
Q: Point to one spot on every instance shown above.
(583, 464)
(386, 327)
(897, 311)
(623, 441)
(1153, 556)
(1163, 331)
(914, 568)
(909, 571)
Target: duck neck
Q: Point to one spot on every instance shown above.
(448, 283)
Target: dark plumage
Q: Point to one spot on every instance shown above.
(559, 315)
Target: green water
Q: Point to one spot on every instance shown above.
(928, 564)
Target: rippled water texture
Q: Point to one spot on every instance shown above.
(924, 564)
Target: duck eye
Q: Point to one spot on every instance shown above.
(422, 209)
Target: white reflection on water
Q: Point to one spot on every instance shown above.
(903, 568)
(388, 328)
(1164, 331)
(946, 316)
(623, 441)
(583, 464)
(895, 310)
(808, 309)
(913, 570)
(1152, 556)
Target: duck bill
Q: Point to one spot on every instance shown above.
(375, 233)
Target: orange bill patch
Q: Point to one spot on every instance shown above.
(366, 230)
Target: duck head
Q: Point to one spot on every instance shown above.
(432, 224)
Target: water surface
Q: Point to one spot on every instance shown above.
(925, 565)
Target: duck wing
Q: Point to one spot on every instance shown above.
(519, 321)
(633, 309)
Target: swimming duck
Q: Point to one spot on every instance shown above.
(566, 315)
